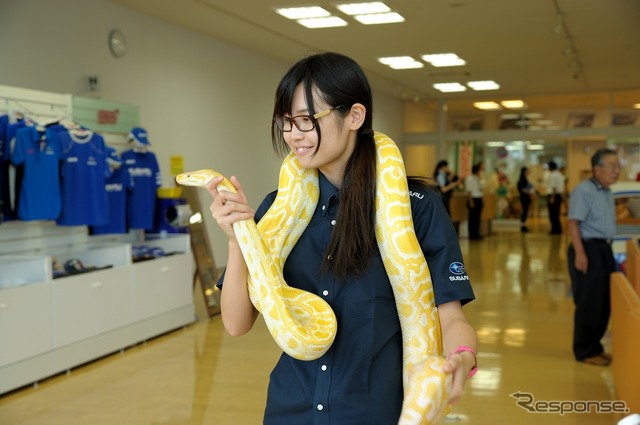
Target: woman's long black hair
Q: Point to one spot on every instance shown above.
(339, 81)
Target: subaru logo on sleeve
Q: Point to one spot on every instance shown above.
(456, 268)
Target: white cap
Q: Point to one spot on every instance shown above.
(630, 420)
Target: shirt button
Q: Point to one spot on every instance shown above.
(325, 292)
(323, 367)
(320, 407)
(329, 257)
(333, 222)
(324, 207)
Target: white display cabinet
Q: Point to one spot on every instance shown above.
(163, 286)
(23, 312)
(91, 304)
(52, 321)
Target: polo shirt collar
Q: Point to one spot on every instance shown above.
(597, 184)
(328, 192)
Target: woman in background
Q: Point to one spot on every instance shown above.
(446, 182)
(475, 203)
(525, 188)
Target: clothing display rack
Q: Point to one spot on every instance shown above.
(66, 297)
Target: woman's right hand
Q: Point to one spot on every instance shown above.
(228, 207)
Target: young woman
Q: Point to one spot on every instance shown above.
(323, 113)
(446, 182)
(475, 202)
(525, 188)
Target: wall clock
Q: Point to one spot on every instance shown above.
(117, 43)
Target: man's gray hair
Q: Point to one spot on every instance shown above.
(597, 157)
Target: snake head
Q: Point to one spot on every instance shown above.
(196, 178)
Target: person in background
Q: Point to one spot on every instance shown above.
(475, 203)
(592, 226)
(323, 114)
(525, 189)
(446, 182)
(555, 195)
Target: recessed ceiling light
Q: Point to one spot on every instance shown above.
(444, 59)
(379, 18)
(495, 144)
(483, 85)
(487, 106)
(637, 106)
(401, 62)
(449, 87)
(330, 22)
(512, 104)
(303, 12)
(535, 147)
(353, 9)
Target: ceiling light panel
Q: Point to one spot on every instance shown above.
(636, 106)
(401, 62)
(379, 18)
(449, 87)
(483, 85)
(353, 9)
(329, 22)
(487, 106)
(303, 12)
(444, 59)
(512, 104)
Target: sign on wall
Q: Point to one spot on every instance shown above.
(105, 116)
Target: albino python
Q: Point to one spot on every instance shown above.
(303, 324)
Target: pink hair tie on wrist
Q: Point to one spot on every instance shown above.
(462, 349)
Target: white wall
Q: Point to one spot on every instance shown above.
(201, 98)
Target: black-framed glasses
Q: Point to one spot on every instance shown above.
(302, 122)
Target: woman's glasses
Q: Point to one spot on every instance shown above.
(302, 122)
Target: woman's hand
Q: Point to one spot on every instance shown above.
(459, 365)
(228, 207)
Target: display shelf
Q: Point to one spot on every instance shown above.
(92, 257)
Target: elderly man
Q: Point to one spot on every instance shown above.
(592, 226)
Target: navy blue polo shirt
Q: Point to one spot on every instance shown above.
(359, 379)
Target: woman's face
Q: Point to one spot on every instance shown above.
(337, 141)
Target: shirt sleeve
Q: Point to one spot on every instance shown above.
(439, 243)
(578, 204)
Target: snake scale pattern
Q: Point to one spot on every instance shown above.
(303, 324)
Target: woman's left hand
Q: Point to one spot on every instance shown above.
(456, 364)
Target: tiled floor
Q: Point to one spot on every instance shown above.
(200, 375)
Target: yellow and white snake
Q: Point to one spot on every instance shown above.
(303, 324)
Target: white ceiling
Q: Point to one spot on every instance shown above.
(509, 41)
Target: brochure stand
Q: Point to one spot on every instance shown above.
(206, 270)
